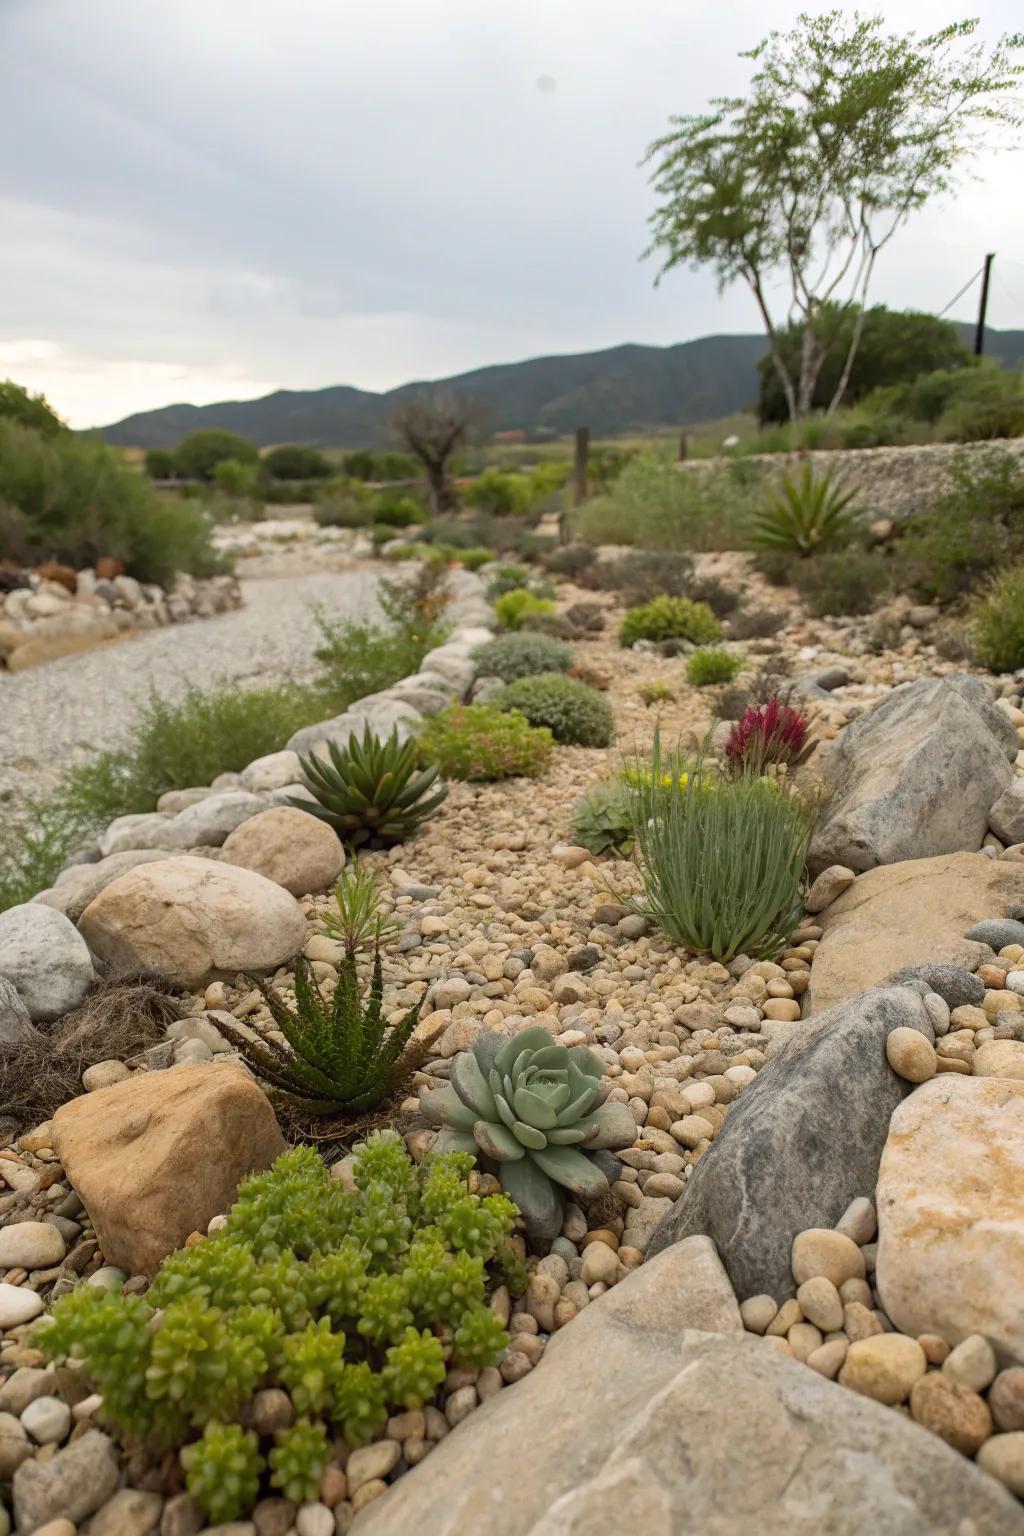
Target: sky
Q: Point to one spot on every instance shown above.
(210, 199)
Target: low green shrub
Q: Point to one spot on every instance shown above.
(655, 505)
(348, 1300)
(344, 507)
(478, 742)
(712, 665)
(198, 454)
(804, 513)
(575, 714)
(644, 574)
(512, 609)
(570, 560)
(997, 622)
(602, 819)
(395, 509)
(721, 858)
(656, 692)
(670, 618)
(504, 578)
(976, 526)
(521, 655)
(297, 461)
(500, 494)
(853, 582)
(384, 464)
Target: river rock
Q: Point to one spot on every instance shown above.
(1006, 817)
(802, 1141)
(648, 1439)
(207, 823)
(951, 1212)
(158, 1156)
(915, 777)
(30, 1245)
(128, 833)
(45, 959)
(71, 1485)
(380, 719)
(192, 920)
(77, 886)
(288, 846)
(16, 1026)
(909, 915)
(272, 772)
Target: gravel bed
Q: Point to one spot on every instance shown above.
(54, 714)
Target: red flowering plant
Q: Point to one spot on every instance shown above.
(773, 732)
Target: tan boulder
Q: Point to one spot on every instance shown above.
(999, 1058)
(193, 920)
(288, 846)
(910, 913)
(157, 1156)
(950, 1203)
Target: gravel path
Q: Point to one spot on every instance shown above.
(53, 714)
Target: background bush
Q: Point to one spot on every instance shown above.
(654, 505)
(297, 461)
(712, 666)
(198, 455)
(971, 530)
(479, 742)
(512, 609)
(670, 618)
(997, 622)
(575, 714)
(521, 655)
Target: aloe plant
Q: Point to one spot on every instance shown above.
(369, 791)
(804, 514)
(531, 1107)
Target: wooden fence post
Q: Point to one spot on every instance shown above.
(682, 449)
(580, 467)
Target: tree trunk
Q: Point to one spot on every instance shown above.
(812, 355)
(439, 487)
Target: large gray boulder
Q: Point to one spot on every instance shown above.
(803, 1140)
(207, 823)
(917, 776)
(45, 958)
(634, 1421)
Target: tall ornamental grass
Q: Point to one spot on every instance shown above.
(722, 859)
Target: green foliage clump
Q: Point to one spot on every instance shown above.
(571, 561)
(804, 514)
(574, 713)
(514, 608)
(500, 494)
(853, 582)
(395, 509)
(997, 622)
(234, 478)
(343, 506)
(602, 819)
(656, 692)
(712, 665)
(160, 464)
(521, 655)
(653, 504)
(481, 743)
(369, 791)
(973, 528)
(531, 1107)
(33, 411)
(506, 578)
(297, 461)
(643, 574)
(722, 858)
(346, 1299)
(198, 454)
(670, 618)
(364, 464)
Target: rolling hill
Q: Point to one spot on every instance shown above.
(616, 391)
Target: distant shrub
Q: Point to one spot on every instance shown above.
(513, 608)
(382, 465)
(343, 506)
(711, 665)
(854, 582)
(997, 622)
(757, 623)
(803, 513)
(32, 411)
(993, 407)
(575, 714)
(502, 495)
(233, 478)
(655, 505)
(641, 575)
(570, 560)
(297, 461)
(670, 618)
(521, 655)
(504, 578)
(198, 455)
(472, 559)
(394, 509)
(160, 464)
(975, 527)
(655, 692)
(479, 742)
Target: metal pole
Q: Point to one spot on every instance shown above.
(979, 334)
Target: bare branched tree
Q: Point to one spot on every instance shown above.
(432, 427)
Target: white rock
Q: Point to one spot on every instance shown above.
(46, 959)
(30, 1245)
(18, 1305)
(47, 1420)
(272, 772)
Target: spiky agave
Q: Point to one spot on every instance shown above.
(344, 1057)
(804, 514)
(531, 1107)
(369, 791)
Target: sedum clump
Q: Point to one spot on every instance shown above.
(531, 1107)
(482, 744)
(521, 655)
(356, 1302)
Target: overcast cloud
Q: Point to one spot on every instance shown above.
(208, 199)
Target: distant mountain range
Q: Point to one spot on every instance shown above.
(614, 392)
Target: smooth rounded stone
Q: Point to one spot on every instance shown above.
(45, 959)
(71, 1484)
(47, 1420)
(972, 1362)
(1015, 982)
(26, 1384)
(450, 992)
(859, 1222)
(1003, 1457)
(828, 1358)
(76, 887)
(272, 1410)
(999, 1058)
(271, 1517)
(31, 1245)
(803, 1339)
(937, 1010)
(785, 1318)
(828, 887)
(819, 1251)
(884, 1367)
(207, 823)
(314, 1520)
(370, 1462)
(274, 771)
(1006, 1398)
(108, 1278)
(103, 1074)
(294, 849)
(691, 1130)
(997, 932)
(955, 984)
(131, 1512)
(192, 920)
(859, 1321)
(16, 1026)
(909, 1053)
(56, 1528)
(18, 1305)
(127, 834)
(953, 1411)
(15, 1446)
(758, 1312)
(599, 1264)
(821, 1304)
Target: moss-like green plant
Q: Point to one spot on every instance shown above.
(521, 655)
(670, 618)
(369, 791)
(712, 665)
(513, 608)
(478, 742)
(349, 1299)
(997, 622)
(574, 713)
(529, 1106)
(602, 819)
(656, 692)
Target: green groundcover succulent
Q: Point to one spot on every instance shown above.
(532, 1107)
